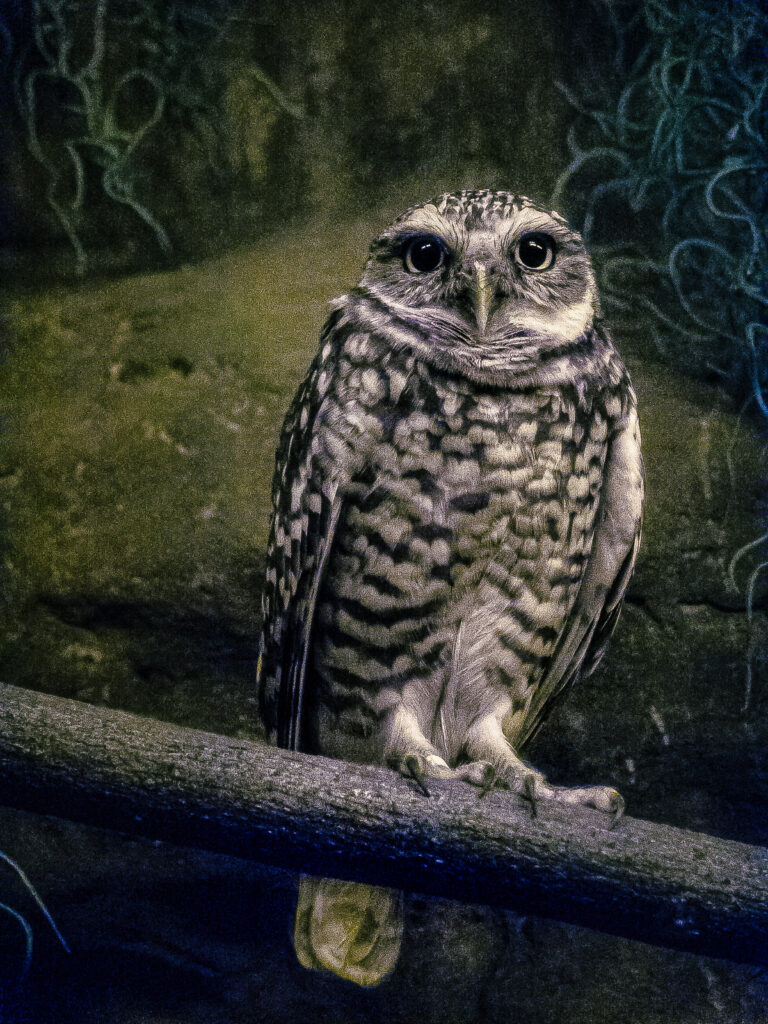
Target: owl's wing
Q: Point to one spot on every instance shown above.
(598, 604)
(307, 502)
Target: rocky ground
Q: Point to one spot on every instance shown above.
(141, 421)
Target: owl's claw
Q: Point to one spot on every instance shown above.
(529, 793)
(416, 770)
(618, 812)
(477, 773)
(420, 767)
(489, 780)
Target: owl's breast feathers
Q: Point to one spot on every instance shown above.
(435, 539)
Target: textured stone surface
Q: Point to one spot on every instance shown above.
(134, 482)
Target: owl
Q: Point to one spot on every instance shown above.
(457, 506)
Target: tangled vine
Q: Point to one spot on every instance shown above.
(22, 921)
(668, 178)
(98, 83)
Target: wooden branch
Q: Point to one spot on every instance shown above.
(143, 777)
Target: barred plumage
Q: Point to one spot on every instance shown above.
(457, 501)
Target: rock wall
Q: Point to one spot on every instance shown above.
(146, 136)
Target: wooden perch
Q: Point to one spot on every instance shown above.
(652, 882)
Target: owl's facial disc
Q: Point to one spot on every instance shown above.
(533, 252)
(484, 282)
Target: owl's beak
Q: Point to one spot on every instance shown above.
(482, 293)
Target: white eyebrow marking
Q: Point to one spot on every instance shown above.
(427, 218)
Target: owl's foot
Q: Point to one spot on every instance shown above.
(486, 739)
(534, 788)
(421, 767)
(410, 753)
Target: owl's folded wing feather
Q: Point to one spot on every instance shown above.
(288, 632)
(614, 548)
(307, 503)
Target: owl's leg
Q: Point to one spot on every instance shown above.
(486, 740)
(408, 751)
(486, 744)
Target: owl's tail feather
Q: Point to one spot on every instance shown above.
(351, 929)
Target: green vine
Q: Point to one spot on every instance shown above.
(668, 178)
(102, 84)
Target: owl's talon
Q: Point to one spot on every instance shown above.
(607, 800)
(477, 773)
(529, 793)
(488, 781)
(618, 812)
(415, 766)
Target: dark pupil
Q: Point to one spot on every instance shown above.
(425, 254)
(533, 252)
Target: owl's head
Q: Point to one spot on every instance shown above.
(487, 283)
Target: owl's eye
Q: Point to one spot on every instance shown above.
(535, 251)
(423, 254)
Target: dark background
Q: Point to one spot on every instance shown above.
(185, 186)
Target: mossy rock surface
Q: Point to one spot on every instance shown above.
(141, 421)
